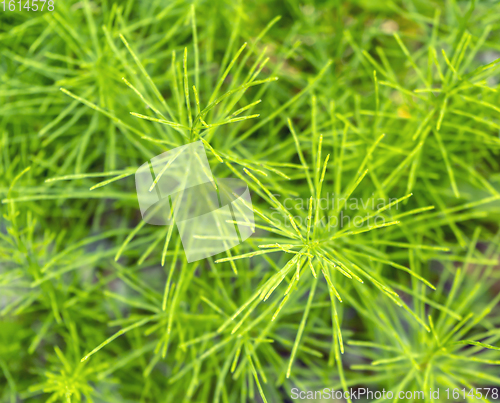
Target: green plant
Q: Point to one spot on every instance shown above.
(385, 112)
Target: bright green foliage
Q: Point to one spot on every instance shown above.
(369, 136)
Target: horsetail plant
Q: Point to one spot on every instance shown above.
(368, 137)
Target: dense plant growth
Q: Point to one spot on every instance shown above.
(369, 136)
